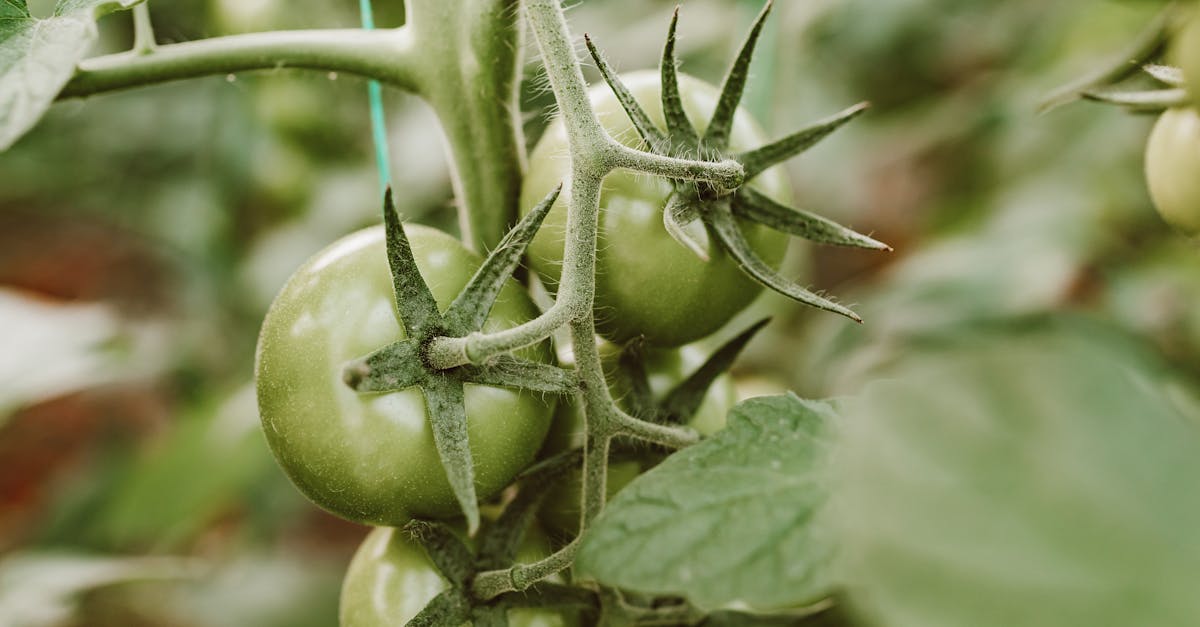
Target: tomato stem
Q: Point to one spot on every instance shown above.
(143, 30)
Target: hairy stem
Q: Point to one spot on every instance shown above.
(493, 583)
(385, 55)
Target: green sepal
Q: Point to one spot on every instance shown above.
(679, 127)
(449, 554)
(682, 402)
(681, 219)
(756, 207)
(632, 373)
(402, 364)
(641, 121)
(391, 368)
(757, 160)
(471, 307)
(445, 404)
(717, 134)
(1167, 74)
(415, 303)
(1147, 46)
(730, 235)
(514, 372)
(1148, 101)
(448, 609)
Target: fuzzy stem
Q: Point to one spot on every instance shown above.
(385, 55)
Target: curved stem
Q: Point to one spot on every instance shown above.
(727, 174)
(666, 435)
(143, 30)
(385, 55)
(451, 352)
(493, 583)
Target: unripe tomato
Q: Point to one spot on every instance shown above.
(646, 283)
(371, 457)
(1173, 169)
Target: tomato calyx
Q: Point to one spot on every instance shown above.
(697, 213)
(683, 400)
(497, 549)
(405, 364)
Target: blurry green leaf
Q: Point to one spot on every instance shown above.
(39, 590)
(170, 495)
(52, 349)
(1043, 479)
(38, 57)
(259, 589)
(97, 8)
(729, 520)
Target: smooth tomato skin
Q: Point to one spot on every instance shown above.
(560, 511)
(391, 579)
(371, 458)
(1173, 169)
(646, 283)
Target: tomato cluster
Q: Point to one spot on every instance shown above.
(647, 285)
(371, 456)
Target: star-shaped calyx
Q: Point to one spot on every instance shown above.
(495, 549)
(682, 401)
(403, 364)
(696, 211)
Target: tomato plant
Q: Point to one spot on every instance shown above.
(371, 457)
(1172, 162)
(646, 283)
(395, 389)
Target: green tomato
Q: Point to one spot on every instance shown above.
(646, 283)
(1173, 169)
(664, 368)
(371, 458)
(391, 579)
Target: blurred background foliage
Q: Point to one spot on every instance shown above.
(143, 234)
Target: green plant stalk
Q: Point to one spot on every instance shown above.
(143, 30)
(462, 57)
(469, 72)
(593, 155)
(385, 55)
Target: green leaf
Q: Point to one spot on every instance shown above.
(42, 588)
(38, 57)
(1042, 480)
(729, 520)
